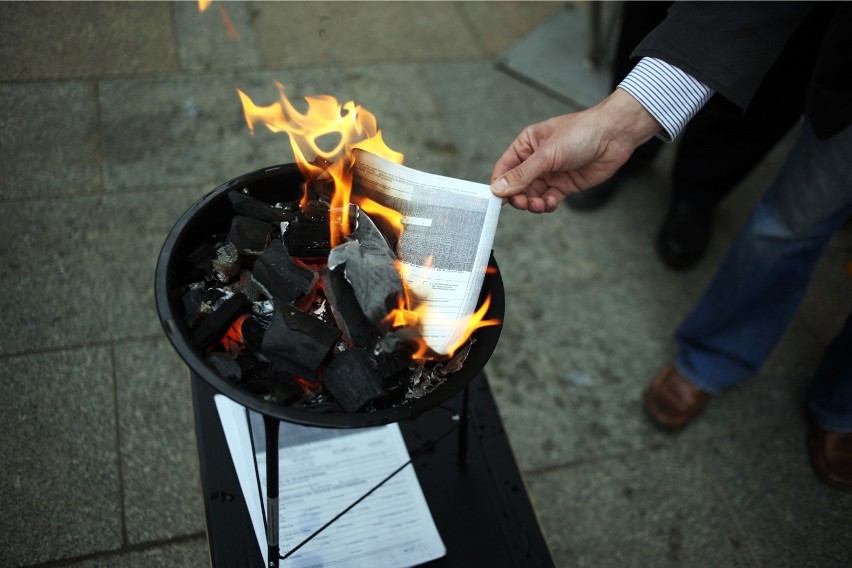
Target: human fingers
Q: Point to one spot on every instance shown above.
(519, 150)
(520, 178)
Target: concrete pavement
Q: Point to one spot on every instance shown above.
(115, 117)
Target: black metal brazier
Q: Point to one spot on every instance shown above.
(211, 215)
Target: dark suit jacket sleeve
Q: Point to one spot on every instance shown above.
(729, 46)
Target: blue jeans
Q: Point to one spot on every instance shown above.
(761, 282)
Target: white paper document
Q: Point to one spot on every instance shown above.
(322, 471)
(449, 226)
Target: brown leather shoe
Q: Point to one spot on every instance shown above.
(672, 400)
(831, 456)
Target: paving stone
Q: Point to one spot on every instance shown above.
(589, 320)
(654, 508)
(221, 38)
(162, 492)
(156, 123)
(303, 34)
(474, 97)
(71, 40)
(81, 270)
(497, 26)
(399, 95)
(188, 553)
(43, 152)
(60, 479)
(789, 517)
(182, 130)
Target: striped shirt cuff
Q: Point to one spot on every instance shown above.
(669, 94)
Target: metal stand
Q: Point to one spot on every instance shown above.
(464, 426)
(470, 504)
(270, 428)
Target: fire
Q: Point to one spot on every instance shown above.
(475, 321)
(327, 130)
(323, 140)
(204, 4)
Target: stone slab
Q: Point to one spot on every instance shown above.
(60, 480)
(554, 58)
(45, 153)
(305, 34)
(162, 491)
(219, 39)
(81, 270)
(789, 518)
(72, 40)
(483, 110)
(182, 130)
(649, 508)
(186, 553)
(497, 26)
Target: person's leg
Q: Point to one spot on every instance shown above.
(759, 286)
(830, 438)
(831, 392)
(637, 20)
(716, 152)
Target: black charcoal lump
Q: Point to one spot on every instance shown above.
(280, 278)
(352, 380)
(249, 235)
(299, 337)
(248, 206)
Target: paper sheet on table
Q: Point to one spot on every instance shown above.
(323, 471)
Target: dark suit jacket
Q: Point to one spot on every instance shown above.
(729, 46)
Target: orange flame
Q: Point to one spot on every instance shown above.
(327, 130)
(204, 4)
(323, 139)
(474, 321)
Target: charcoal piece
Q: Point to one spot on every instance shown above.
(245, 285)
(316, 211)
(281, 385)
(305, 240)
(202, 255)
(347, 312)
(286, 390)
(280, 278)
(225, 365)
(287, 206)
(250, 207)
(352, 380)
(225, 263)
(368, 265)
(214, 326)
(195, 304)
(299, 337)
(249, 235)
(284, 366)
(253, 329)
(389, 364)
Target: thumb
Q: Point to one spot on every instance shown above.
(518, 178)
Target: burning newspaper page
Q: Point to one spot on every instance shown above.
(448, 232)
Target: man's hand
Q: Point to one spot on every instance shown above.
(572, 152)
